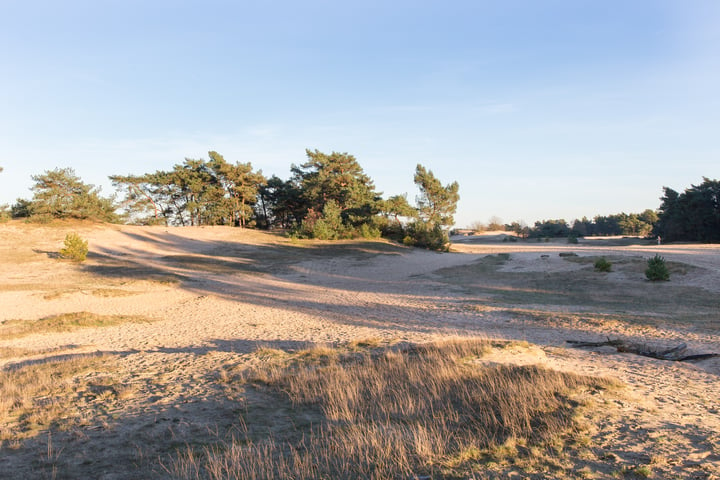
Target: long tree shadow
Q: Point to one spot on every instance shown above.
(267, 275)
(278, 273)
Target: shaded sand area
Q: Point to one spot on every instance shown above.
(183, 305)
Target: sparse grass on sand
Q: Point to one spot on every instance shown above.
(632, 296)
(405, 411)
(54, 395)
(64, 322)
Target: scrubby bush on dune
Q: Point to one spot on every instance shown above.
(75, 249)
(425, 235)
(603, 265)
(657, 270)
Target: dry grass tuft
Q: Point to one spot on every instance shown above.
(64, 322)
(361, 344)
(12, 352)
(396, 412)
(40, 396)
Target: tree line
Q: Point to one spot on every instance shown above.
(329, 196)
(692, 216)
(633, 224)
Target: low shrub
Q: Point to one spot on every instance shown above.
(409, 241)
(5, 214)
(657, 270)
(432, 237)
(75, 249)
(602, 265)
(369, 231)
(322, 230)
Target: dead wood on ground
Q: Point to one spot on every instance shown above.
(674, 354)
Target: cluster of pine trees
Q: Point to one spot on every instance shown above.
(693, 215)
(196, 192)
(633, 224)
(327, 197)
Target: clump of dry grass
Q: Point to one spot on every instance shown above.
(11, 352)
(396, 412)
(64, 322)
(52, 394)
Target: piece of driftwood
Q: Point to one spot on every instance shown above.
(674, 354)
(580, 344)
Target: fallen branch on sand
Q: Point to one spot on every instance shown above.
(674, 354)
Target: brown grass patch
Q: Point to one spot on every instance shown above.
(629, 295)
(12, 352)
(53, 394)
(394, 412)
(64, 322)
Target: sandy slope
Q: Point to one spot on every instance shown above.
(220, 311)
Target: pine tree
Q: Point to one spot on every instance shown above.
(60, 193)
(436, 203)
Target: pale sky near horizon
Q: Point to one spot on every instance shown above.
(539, 109)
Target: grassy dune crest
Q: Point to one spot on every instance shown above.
(396, 412)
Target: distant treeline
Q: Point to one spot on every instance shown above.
(693, 215)
(633, 224)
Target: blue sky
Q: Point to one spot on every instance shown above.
(539, 109)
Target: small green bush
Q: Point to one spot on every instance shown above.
(572, 238)
(432, 237)
(4, 213)
(75, 249)
(369, 231)
(324, 231)
(602, 265)
(657, 270)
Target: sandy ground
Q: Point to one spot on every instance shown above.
(211, 305)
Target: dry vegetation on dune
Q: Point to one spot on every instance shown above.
(408, 411)
(589, 293)
(61, 394)
(65, 322)
(208, 353)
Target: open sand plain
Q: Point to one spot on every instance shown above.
(210, 297)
